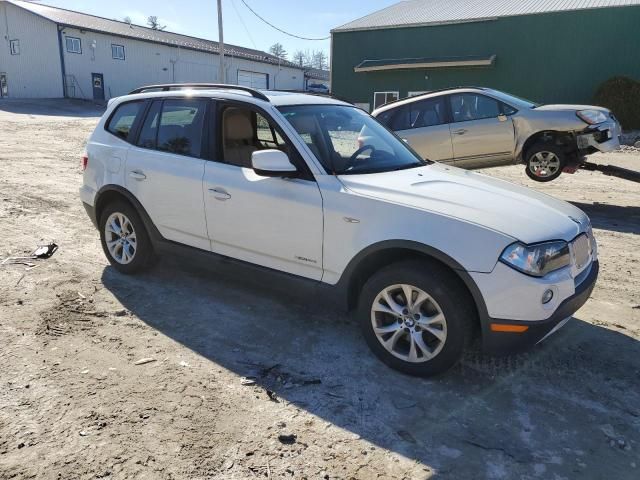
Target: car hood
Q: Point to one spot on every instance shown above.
(518, 212)
(575, 108)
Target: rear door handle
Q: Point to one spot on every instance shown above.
(220, 193)
(461, 131)
(138, 175)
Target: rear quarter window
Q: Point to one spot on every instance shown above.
(121, 122)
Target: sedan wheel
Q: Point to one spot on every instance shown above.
(408, 323)
(545, 162)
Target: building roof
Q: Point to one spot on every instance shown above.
(70, 18)
(414, 13)
(317, 74)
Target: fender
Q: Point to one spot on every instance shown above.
(105, 192)
(409, 246)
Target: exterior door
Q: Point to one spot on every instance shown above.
(482, 136)
(273, 222)
(424, 126)
(4, 88)
(253, 79)
(164, 170)
(97, 80)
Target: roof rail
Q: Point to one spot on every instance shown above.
(165, 87)
(316, 94)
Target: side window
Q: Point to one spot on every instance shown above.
(245, 131)
(181, 126)
(149, 132)
(508, 109)
(472, 106)
(122, 119)
(401, 119)
(428, 113)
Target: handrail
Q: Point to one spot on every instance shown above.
(212, 86)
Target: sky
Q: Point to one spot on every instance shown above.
(307, 18)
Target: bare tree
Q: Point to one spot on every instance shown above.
(300, 58)
(153, 22)
(320, 60)
(278, 50)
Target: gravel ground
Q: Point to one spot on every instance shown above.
(246, 377)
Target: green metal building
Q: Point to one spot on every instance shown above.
(550, 51)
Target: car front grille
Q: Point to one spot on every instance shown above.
(581, 251)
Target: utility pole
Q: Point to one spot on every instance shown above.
(221, 44)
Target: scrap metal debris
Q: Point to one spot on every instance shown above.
(42, 252)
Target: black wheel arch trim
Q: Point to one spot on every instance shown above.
(154, 234)
(419, 248)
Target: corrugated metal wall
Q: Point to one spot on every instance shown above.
(36, 71)
(147, 63)
(554, 57)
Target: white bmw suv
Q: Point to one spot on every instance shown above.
(427, 255)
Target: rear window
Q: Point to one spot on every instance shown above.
(121, 121)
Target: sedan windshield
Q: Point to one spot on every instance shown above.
(346, 140)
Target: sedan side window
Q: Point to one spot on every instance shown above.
(428, 113)
(472, 106)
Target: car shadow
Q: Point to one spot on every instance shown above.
(55, 107)
(624, 219)
(538, 411)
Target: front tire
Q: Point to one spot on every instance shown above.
(416, 317)
(545, 162)
(124, 238)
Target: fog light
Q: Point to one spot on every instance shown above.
(547, 296)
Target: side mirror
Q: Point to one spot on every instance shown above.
(502, 117)
(273, 163)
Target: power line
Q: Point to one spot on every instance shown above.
(279, 29)
(233, 2)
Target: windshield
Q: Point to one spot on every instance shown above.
(514, 101)
(346, 140)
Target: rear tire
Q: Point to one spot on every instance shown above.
(425, 336)
(124, 238)
(544, 162)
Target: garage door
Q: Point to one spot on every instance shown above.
(253, 79)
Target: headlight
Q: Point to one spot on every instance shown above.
(537, 260)
(592, 117)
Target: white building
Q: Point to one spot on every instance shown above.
(48, 52)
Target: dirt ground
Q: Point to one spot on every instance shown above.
(75, 403)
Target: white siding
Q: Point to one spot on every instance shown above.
(148, 63)
(36, 72)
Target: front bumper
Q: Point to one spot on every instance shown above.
(604, 137)
(497, 342)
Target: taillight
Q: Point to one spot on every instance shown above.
(85, 162)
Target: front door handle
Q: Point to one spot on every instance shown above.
(461, 131)
(138, 175)
(220, 193)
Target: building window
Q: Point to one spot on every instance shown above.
(74, 45)
(117, 52)
(14, 46)
(382, 98)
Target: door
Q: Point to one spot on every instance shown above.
(4, 88)
(165, 169)
(273, 222)
(97, 80)
(424, 126)
(253, 79)
(482, 136)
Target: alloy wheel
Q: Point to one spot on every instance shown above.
(120, 237)
(408, 323)
(544, 164)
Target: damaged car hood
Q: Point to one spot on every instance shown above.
(515, 211)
